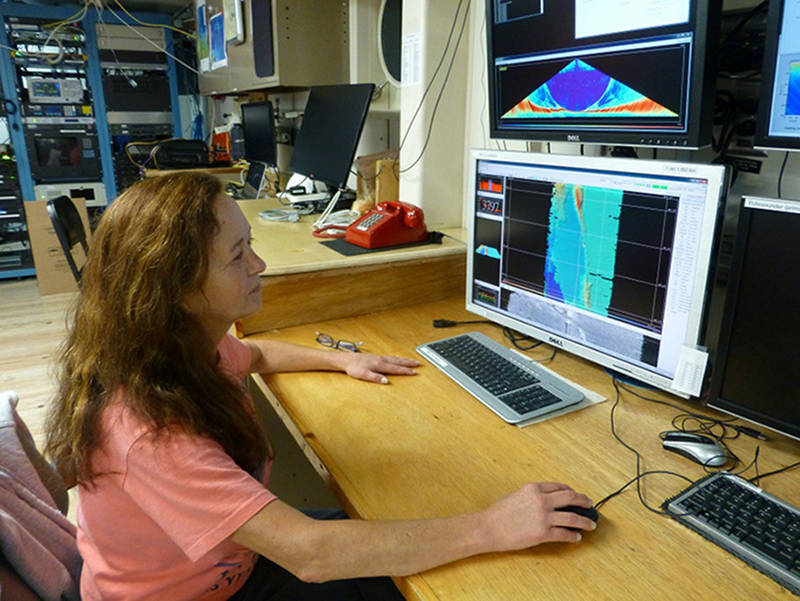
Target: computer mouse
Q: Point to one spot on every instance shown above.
(587, 512)
(697, 447)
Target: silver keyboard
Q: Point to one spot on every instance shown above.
(514, 387)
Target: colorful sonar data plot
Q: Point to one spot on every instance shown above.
(580, 90)
(488, 251)
(582, 246)
(793, 97)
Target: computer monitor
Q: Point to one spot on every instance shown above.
(332, 122)
(637, 73)
(778, 119)
(754, 374)
(258, 126)
(254, 180)
(605, 258)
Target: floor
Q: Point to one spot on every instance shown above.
(33, 328)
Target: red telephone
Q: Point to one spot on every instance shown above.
(388, 224)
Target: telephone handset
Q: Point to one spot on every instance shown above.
(388, 224)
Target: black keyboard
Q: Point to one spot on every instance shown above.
(511, 385)
(744, 520)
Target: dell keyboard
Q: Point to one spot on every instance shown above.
(514, 387)
(744, 520)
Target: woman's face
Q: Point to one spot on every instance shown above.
(232, 288)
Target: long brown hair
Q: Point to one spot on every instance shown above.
(129, 330)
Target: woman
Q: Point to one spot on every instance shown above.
(155, 425)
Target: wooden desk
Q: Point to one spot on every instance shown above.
(306, 280)
(422, 447)
(207, 170)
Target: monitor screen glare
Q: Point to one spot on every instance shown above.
(605, 258)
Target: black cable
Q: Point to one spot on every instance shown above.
(639, 473)
(441, 90)
(780, 175)
(778, 471)
(433, 77)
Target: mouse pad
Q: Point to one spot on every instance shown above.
(343, 247)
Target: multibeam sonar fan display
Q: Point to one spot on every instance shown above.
(580, 90)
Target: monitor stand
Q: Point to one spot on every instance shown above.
(626, 379)
(305, 190)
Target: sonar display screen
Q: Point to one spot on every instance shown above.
(601, 258)
(586, 70)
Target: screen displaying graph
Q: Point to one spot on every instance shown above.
(597, 255)
(600, 249)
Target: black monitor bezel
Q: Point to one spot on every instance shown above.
(763, 139)
(271, 156)
(714, 399)
(707, 17)
(299, 162)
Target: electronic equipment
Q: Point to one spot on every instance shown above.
(332, 122)
(258, 125)
(179, 153)
(388, 224)
(740, 517)
(592, 72)
(49, 90)
(94, 193)
(778, 118)
(63, 152)
(254, 180)
(605, 258)
(755, 369)
(513, 386)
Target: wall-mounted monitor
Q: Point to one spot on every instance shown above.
(605, 258)
(778, 121)
(590, 71)
(755, 370)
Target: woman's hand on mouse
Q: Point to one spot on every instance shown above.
(529, 517)
(373, 368)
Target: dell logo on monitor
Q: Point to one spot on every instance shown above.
(555, 341)
(573, 138)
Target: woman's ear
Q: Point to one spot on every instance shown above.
(194, 303)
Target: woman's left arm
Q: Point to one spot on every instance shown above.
(272, 356)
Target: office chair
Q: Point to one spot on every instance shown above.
(69, 228)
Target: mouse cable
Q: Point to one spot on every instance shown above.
(634, 479)
(791, 466)
(639, 473)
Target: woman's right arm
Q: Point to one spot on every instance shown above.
(319, 550)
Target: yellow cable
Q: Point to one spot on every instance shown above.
(145, 23)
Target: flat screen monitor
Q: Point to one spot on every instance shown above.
(755, 370)
(254, 181)
(601, 71)
(778, 119)
(258, 126)
(605, 258)
(332, 122)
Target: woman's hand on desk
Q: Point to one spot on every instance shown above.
(528, 517)
(369, 367)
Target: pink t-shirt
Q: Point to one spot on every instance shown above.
(156, 524)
